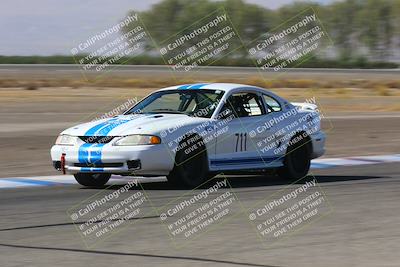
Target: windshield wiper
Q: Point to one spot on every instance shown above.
(167, 110)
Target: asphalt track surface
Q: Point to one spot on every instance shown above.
(361, 228)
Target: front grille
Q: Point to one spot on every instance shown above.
(97, 139)
(99, 165)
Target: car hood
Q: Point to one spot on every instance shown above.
(133, 124)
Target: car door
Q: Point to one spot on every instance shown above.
(275, 129)
(238, 147)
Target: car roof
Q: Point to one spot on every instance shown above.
(227, 87)
(211, 86)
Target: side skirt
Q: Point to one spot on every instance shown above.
(245, 163)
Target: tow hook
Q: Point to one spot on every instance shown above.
(63, 163)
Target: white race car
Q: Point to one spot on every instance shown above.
(192, 132)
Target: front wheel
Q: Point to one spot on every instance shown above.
(92, 179)
(191, 168)
(297, 160)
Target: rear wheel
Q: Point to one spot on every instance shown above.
(92, 179)
(191, 168)
(297, 159)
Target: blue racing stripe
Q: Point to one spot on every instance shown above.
(95, 153)
(83, 153)
(111, 126)
(92, 153)
(92, 131)
(88, 169)
(193, 86)
(185, 86)
(197, 86)
(204, 85)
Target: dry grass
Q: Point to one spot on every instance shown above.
(341, 91)
(31, 87)
(163, 81)
(301, 83)
(393, 84)
(356, 95)
(382, 90)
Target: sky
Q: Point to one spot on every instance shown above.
(50, 27)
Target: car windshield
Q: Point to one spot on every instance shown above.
(196, 102)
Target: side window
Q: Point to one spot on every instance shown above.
(243, 105)
(271, 104)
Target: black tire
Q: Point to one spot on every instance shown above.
(92, 179)
(211, 175)
(191, 167)
(297, 159)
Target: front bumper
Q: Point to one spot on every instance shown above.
(133, 160)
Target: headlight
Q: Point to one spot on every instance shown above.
(66, 140)
(138, 139)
